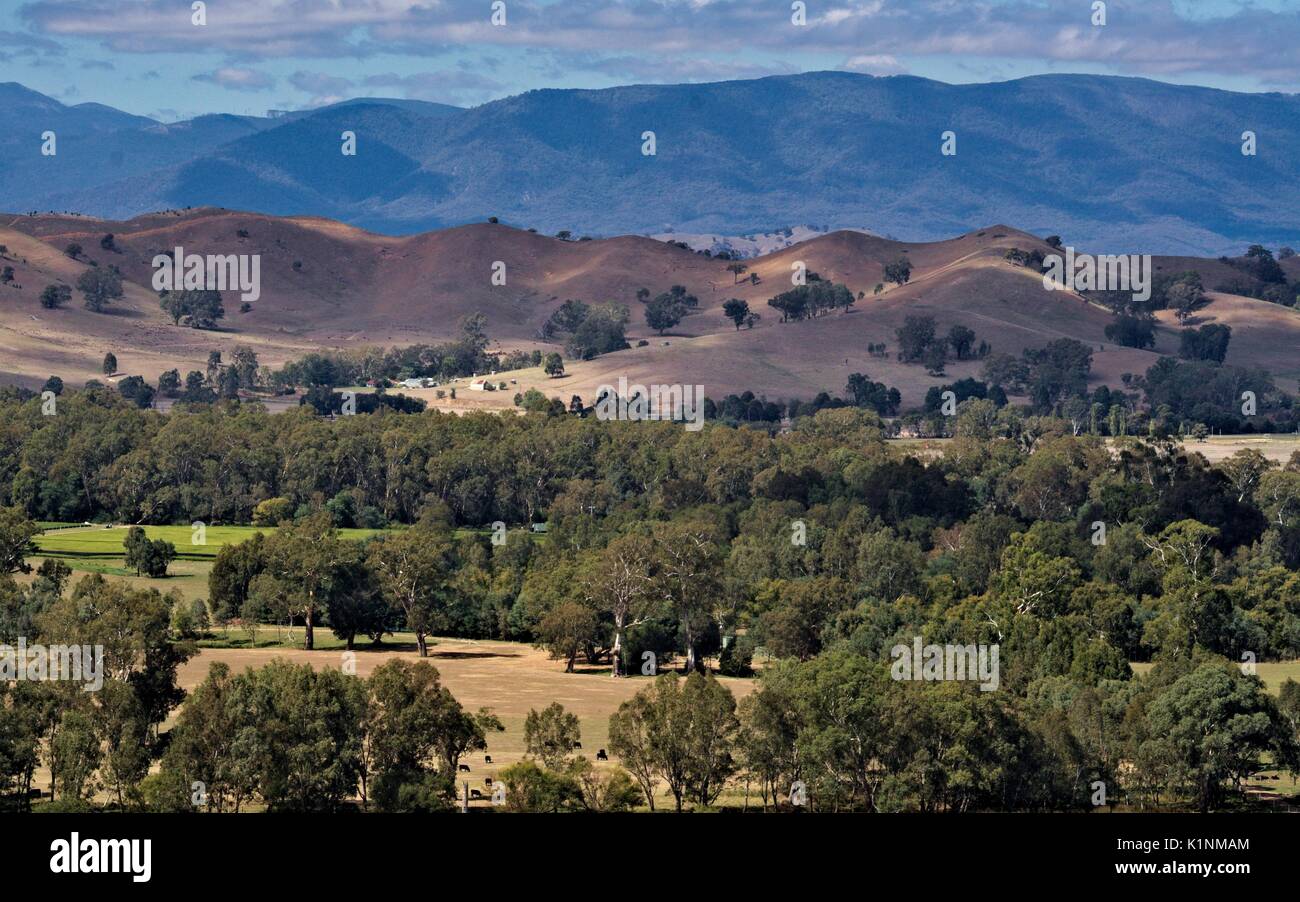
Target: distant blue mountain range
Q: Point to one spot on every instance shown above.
(1110, 164)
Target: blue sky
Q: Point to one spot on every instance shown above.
(147, 57)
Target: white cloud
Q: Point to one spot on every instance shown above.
(1142, 37)
(874, 64)
(237, 79)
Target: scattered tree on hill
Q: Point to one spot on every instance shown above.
(1206, 343)
(568, 317)
(1132, 330)
(201, 309)
(679, 294)
(962, 341)
(553, 366)
(915, 336)
(1185, 298)
(110, 364)
(99, 285)
(601, 332)
(736, 310)
(935, 357)
(1261, 264)
(899, 271)
(862, 392)
(664, 312)
(55, 296)
(811, 300)
(736, 269)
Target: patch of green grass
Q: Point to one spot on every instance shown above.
(109, 542)
(101, 549)
(1273, 673)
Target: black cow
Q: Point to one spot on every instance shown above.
(602, 755)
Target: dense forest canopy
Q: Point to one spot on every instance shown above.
(817, 549)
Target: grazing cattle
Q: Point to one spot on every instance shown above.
(487, 780)
(464, 767)
(475, 794)
(487, 758)
(577, 745)
(602, 755)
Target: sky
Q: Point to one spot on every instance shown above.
(149, 57)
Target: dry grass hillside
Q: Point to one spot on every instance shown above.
(328, 285)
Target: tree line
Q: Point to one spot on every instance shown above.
(727, 549)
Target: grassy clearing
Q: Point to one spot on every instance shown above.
(511, 678)
(108, 542)
(1277, 448)
(1220, 447)
(101, 549)
(1273, 673)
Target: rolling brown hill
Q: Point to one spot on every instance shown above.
(325, 284)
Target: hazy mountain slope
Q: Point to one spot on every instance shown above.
(1115, 164)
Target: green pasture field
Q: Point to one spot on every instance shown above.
(101, 549)
(90, 542)
(1273, 673)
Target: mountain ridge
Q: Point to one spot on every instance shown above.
(1105, 161)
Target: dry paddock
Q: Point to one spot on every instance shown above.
(510, 678)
